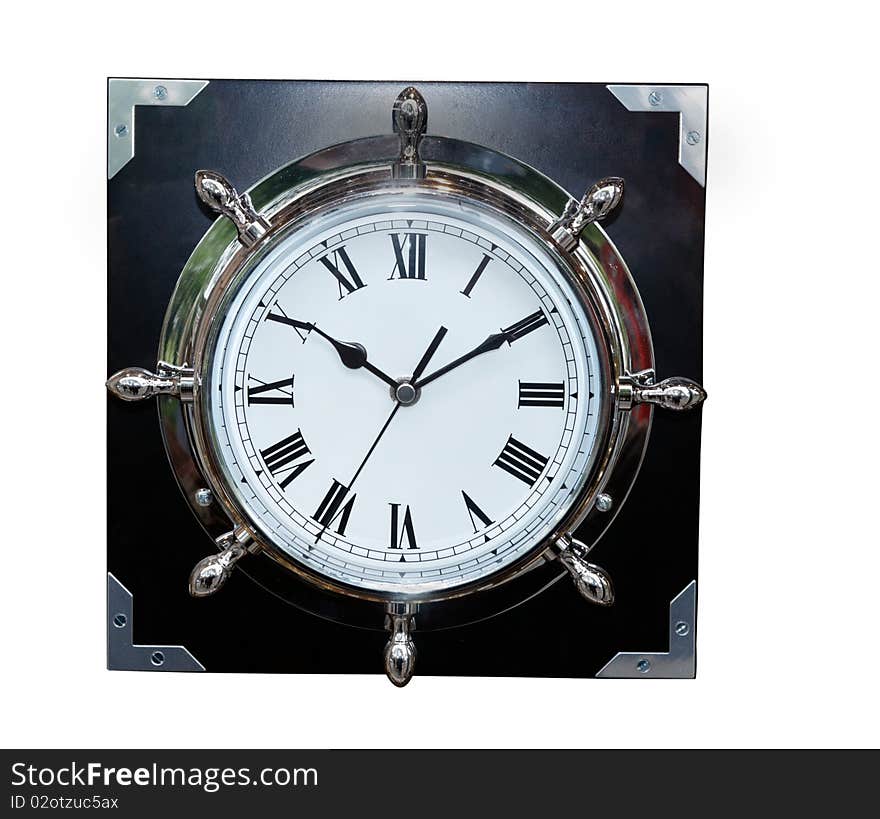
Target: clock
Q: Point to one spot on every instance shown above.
(398, 374)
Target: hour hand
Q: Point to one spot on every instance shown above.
(352, 354)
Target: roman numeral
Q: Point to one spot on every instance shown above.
(411, 266)
(474, 511)
(282, 388)
(350, 282)
(476, 277)
(521, 461)
(524, 326)
(329, 509)
(541, 394)
(281, 458)
(406, 530)
(302, 328)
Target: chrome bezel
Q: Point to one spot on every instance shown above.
(332, 178)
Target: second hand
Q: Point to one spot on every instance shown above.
(420, 368)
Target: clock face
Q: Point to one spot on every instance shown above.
(403, 396)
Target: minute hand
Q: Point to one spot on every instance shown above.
(493, 342)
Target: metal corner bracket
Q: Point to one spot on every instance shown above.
(122, 654)
(680, 661)
(691, 102)
(123, 95)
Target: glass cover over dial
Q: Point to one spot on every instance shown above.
(404, 395)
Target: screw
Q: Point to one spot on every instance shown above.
(682, 629)
(644, 666)
(121, 130)
(604, 503)
(157, 658)
(160, 92)
(693, 137)
(655, 98)
(120, 620)
(204, 497)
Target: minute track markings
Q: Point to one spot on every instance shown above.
(572, 380)
(462, 548)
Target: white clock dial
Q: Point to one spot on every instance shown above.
(456, 473)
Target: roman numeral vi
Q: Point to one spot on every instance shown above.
(398, 532)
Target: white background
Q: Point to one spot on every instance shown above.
(790, 557)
